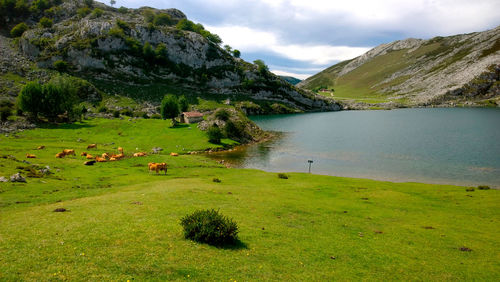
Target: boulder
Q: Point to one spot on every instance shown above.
(17, 178)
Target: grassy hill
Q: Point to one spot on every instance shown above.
(418, 72)
(122, 222)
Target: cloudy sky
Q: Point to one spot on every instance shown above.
(302, 37)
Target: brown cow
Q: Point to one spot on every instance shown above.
(100, 160)
(120, 149)
(60, 155)
(157, 167)
(92, 146)
(83, 154)
(174, 154)
(119, 156)
(89, 156)
(69, 152)
(40, 147)
(112, 159)
(105, 155)
(140, 154)
(30, 156)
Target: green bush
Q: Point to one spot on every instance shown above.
(82, 12)
(116, 114)
(102, 109)
(282, 176)
(45, 22)
(61, 65)
(96, 13)
(216, 180)
(483, 187)
(236, 53)
(6, 108)
(222, 114)
(122, 24)
(209, 226)
(116, 32)
(214, 134)
(88, 3)
(234, 129)
(170, 108)
(163, 19)
(183, 104)
(39, 6)
(127, 112)
(19, 29)
(122, 10)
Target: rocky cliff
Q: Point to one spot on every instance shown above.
(136, 48)
(414, 72)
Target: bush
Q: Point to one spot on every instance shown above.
(19, 29)
(156, 116)
(122, 10)
(45, 22)
(234, 130)
(236, 53)
(96, 13)
(127, 112)
(216, 180)
(102, 109)
(170, 108)
(6, 108)
(483, 187)
(183, 104)
(163, 19)
(214, 134)
(209, 226)
(222, 114)
(61, 65)
(116, 114)
(282, 176)
(122, 24)
(82, 12)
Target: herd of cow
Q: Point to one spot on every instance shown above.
(105, 157)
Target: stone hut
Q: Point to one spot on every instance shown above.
(191, 117)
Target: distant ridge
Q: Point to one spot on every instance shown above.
(290, 79)
(455, 70)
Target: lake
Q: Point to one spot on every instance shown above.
(434, 145)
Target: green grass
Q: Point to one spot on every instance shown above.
(123, 223)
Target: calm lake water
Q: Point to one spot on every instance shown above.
(441, 145)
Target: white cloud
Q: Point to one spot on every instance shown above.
(286, 73)
(250, 40)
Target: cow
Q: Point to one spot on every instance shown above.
(69, 152)
(40, 147)
(157, 167)
(119, 156)
(112, 159)
(89, 157)
(140, 154)
(30, 156)
(120, 149)
(83, 154)
(92, 146)
(60, 155)
(105, 156)
(100, 160)
(174, 154)
(89, 163)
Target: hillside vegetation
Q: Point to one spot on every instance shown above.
(116, 221)
(462, 69)
(121, 51)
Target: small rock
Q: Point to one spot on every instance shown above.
(156, 150)
(332, 257)
(17, 178)
(465, 249)
(3, 179)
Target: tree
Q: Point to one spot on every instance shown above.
(112, 2)
(170, 108)
(148, 52)
(183, 104)
(236, 53)
(6, 108)
(30, 98)
(261, 66)
(228, 48)
(214, 134)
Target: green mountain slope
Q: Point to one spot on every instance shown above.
(418, 72)
(290, 79)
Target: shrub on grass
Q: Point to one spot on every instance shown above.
(6, 108)
(102, 109)
(483, 187)
(61, 65)
(18, 30)
(216, 180)
(116, 114)
(282, 176)
(209, 226)
(82, 12)
(127, 112)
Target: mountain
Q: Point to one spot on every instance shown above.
(462, 69)
(290, 79)
(142, 54)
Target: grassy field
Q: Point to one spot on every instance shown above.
(122, 223)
